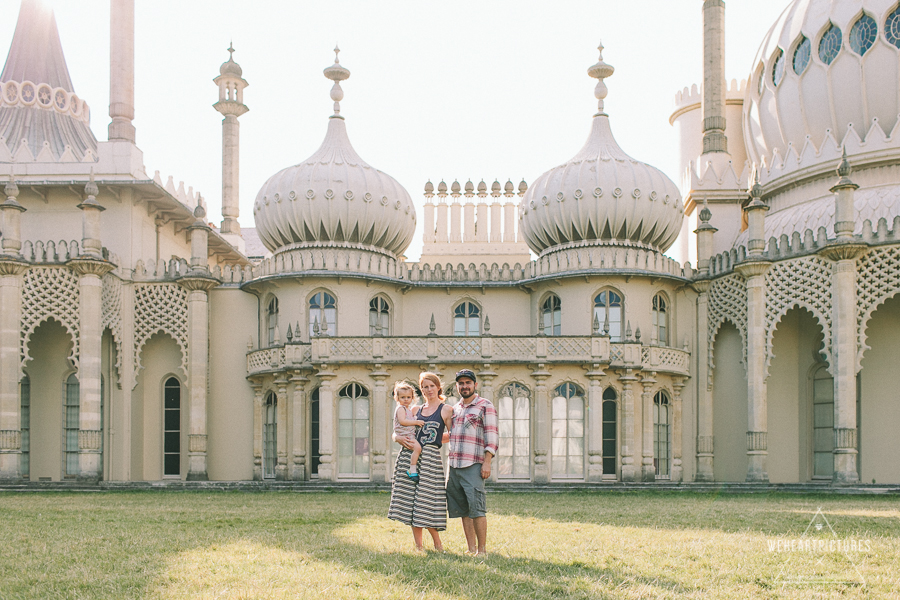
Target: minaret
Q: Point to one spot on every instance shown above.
(714, 139)
(231, 105)
(121, 70)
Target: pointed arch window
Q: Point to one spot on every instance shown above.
(662, 438)
(551, 315)
(379, 316)
(353, 431)
(172, 428)
(892, 28)
(610, 433)
(801, 55)
(660, 320)
(608, 310)
(567, 424)
(830, 44)
(514, 421)
(863, 34)
(71, 425)
(778, 67)
(467, 319)
(272, 319)
(322, 314)
(270, 435)
(25, 426)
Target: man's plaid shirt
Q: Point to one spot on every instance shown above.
(474, 432)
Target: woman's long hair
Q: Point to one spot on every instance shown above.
(435, 380)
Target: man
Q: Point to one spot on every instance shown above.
(473, 444)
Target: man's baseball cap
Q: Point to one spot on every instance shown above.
(466, 373)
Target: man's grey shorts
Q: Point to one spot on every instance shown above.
(465, 492)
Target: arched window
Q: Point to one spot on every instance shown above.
(452, 395)
(830, 44)
(322, 313)
(272, 319)
(863, 34)
(314, 455)
(660, 320)
(379, 316)
(514, 421)
(823, 424)
(71, 425)
(801, 55)
(610, 433)
(892, 28)
(353, 431)
(466, 319)
(270, 436)
(551, 315)
(778, 67)
(25, 426)
(567, 422)
(662, 439)
(172, 428)
(608, 310)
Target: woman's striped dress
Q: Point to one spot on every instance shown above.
(422, 504)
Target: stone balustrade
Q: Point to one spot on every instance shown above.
(436, 349)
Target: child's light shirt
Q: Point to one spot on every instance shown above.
(403, 430)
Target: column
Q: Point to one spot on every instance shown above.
(677, 473)
(714, 76)
(298, 427)
(281, 421)
(327, 467)
(257, 429)
(704, 388)
(379, 432)
(628, 469)
(648, 470)
(595, 423)
(121, 70)
(486, 378)
(541, 431)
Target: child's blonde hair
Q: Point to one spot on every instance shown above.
(403, 385)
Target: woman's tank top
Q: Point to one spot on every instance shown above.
(432, 431)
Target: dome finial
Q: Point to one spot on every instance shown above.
(337, 74)
(600, 71)
(231, 50)
(844, 169)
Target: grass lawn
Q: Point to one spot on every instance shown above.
(330, 546)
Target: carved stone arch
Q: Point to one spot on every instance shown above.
(514, 382)
(111, 317)
(353, 380)
(579, 386)
(878, 280)
(611, 384)
(804, 283)
(50, 292)
(182, 376)
(160, 308)
(727, 302)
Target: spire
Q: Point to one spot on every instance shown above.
(600, 71)
(337, 74)
(121, 70)
(36, 53)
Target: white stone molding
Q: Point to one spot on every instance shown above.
(160, 308)
(26, 93)
(878, 278)
(805, 283)
(112, 313)
(46, 293)
(727, 301)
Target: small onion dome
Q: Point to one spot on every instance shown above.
(508, 188)
(442, 188)
(523, 187)
(334, 196)
(469, 187)
(230, 67)
(455, 187)
(601, 194)
(495, 187)
(429, 187)
(482, 187)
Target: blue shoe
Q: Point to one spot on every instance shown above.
(413, 476)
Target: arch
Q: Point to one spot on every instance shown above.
(863, 33)
(160, 308)
(321, 306)
(801, 55)
(50, 293)
(353, 412)
(380, 312)
(891, 28)
(550, 311)
(777, 66)
(271, 319)
(831, 41)
(878, 280)
(659, 309)
(467, 318)
(609, 311)
(662, 433)
(514, 409)
(140, 354)
(567, 414)
(270, 435)
(727, 302)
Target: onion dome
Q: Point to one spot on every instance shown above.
(429, 187)
(334, 197)
(824, 68)
(602, 194)
(230, 67)
(482, 187)
(41, 118)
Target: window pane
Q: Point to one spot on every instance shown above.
(576, 428)
(576, 408)
(504, 465)
(559, 428)
(558, 446)
(523, 409)
(520, 464)
(345, 428)
(345, 408)
(362, 408)
(504, 408)
(521, 447)
(172, 464)
(172, 441)
(506, 428)
(559, 408)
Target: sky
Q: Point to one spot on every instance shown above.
(487, 89)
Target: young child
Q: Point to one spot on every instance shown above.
(405, 423)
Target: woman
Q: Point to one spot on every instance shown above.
(422, 504)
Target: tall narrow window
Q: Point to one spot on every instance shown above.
(551, 316)
(863, 34)
(662, 441)
(353, 431)
(801, 55)
(25, 426)
(823, 425)
(172, 428)
(830, 44)
(466, 320)
(314, 455)
(778, 67)
(71, 425)
(567, 423)
(514, 420)
(272, 319)
(270, 436)
(892, 29)
(610, 434)
(608, 308)
(660, 320)
(379, 317)
(322, 313)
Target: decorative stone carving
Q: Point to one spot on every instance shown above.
(160, 308)
(111, 313)
(727, 300)
(878, 279)
(10, 440)
(757, 441)
(196, 443)
(50, 292)
(90, 439)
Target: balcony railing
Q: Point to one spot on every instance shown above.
(436, 349)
